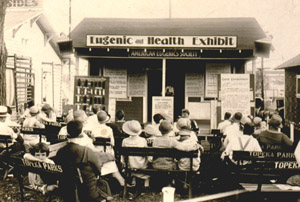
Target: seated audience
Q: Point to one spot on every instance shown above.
(47, 114)
(234, 128)
(133, 129)
(166, 163)
(151, 132)
(4, 128)
(222, 125)
(272, 138)
(184, 124)
(242, 142)
(89, 163)
(32, 122)
(44, 184)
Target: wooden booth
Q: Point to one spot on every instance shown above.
(165, 65)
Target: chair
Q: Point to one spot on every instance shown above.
(216, 142)
(5, 153)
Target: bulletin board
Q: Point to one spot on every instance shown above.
(90, 90)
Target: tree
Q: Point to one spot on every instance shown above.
(3, 53)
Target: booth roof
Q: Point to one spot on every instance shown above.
(247, 30)
(293, 62)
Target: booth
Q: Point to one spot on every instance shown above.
(165, 65)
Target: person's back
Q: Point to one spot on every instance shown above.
(89, 163)
(222, 125)
(272, 139)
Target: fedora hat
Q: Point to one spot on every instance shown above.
(132, 128)
(103, 116)
(46, 108)
(3, 111)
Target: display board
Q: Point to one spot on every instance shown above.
(194, 85)
(163, 105)
(211, 77)
(235, 94)
(137, 84)
(117, 82)
(90, 90)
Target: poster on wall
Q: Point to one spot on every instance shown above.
(194, 85)
(137, 84)
(163, 105)
(235, 93)
(117, 82)
(211, 77)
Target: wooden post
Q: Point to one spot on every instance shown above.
(292, 131)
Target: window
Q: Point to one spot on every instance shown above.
(298, 86)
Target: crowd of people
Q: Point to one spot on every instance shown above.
(240, 132)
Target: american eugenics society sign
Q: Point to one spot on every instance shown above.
(162, 41)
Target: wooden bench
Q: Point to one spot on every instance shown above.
(156, 152)
(265, 166)
(100, 141)
(33, 131)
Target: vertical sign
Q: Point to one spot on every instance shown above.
(137, 84)
(235, 93)
(163, 105)
(117, 82)
(211, 77)
(194, 85)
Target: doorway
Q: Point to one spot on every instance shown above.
(154, 88)
(175, 75)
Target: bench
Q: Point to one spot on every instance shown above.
(100, 141)
(156, 152)
(265, 166)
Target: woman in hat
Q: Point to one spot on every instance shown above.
(47, 113)
(133, 129)
(151, 132)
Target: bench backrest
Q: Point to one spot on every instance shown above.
(157, 152)
(6, 139)
(270, 160)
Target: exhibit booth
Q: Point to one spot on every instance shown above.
(165, 65)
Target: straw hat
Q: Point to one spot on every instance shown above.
(3, 111)
(33, 110)
(152, 130)
(183, 123)
(103, 116)
(132, 128)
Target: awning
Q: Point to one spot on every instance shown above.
(246, 30)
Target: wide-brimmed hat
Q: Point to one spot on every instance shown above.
(3, 111)
(183, 123)
(46, 108)
(165, 127)
(33, 110)
(103, 117)
(132, 128)
(275, 121)
(245, 120)
(152, 130)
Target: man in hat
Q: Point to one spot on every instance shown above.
(47, 113)
(4, 128)
(89, 162)
(184, 125)
(273, 137)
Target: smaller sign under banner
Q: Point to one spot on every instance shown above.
(117, 82)
(163, 105)
(166, 53)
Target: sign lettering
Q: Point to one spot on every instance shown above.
(162, 41)
(43, 165)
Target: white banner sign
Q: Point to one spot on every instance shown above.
(194, 85)
(235, 93)
(117, 82)
(163, 105)
(211, 77)
(162, 41)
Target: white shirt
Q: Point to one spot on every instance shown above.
(5, 130)
(102, 130)
(223, 125)
(231, 129)
(241, 143)
(91, 122)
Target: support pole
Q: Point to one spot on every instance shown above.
(163, 91)
(262, 83)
